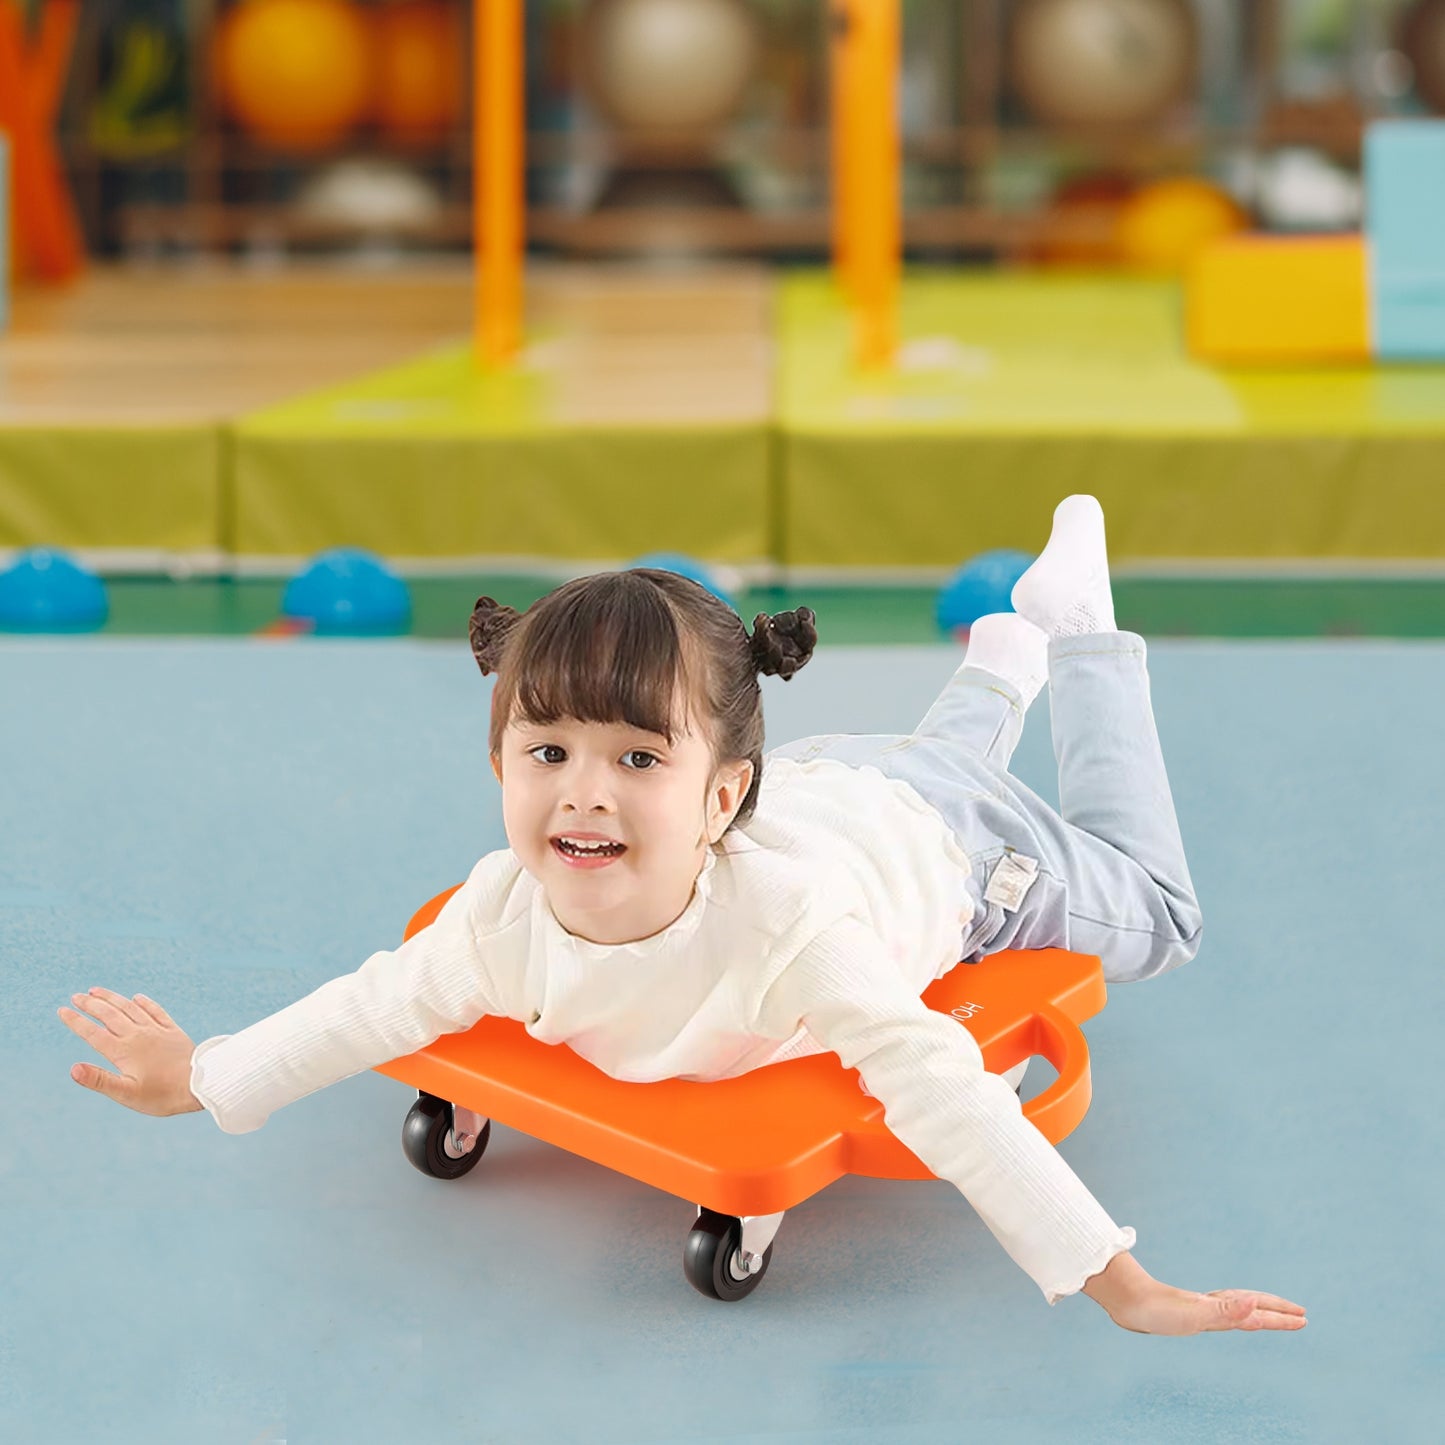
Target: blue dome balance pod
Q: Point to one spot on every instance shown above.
(347, 592)
(982, 585)
(685, 566)
(46, 591)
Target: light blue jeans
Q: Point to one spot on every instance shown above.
(1112, 878)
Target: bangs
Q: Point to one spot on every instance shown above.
(606, 654)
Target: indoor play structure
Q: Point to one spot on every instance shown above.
(743, 1150)
(826, 418)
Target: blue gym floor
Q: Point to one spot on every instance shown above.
(225, 824)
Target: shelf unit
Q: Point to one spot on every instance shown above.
(226, 193)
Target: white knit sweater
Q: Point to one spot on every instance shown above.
(814, 926)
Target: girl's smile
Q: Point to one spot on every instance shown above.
(577, 858)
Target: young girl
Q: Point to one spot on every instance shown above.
(673, 905)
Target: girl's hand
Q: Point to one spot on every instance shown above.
(150, 1052)
(1164, 1310)
(1136, 1301)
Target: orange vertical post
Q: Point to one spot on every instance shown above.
(50, 57)
(498, 196)
(47, 230)
(841, 104)
(872, 182)
(879, 183)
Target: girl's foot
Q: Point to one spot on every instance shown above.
(1066, 591)
(1010, 647)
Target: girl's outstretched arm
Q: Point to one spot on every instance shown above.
(397, 1002)
(968, 1126)
(151, 1054)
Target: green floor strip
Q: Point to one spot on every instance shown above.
(846, 615)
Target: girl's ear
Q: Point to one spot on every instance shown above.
(497, 766)
(730, 787)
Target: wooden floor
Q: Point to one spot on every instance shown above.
(635, 346)
(154, 346)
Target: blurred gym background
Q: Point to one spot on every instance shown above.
(241, 281)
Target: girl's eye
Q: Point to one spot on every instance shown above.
(631, 753)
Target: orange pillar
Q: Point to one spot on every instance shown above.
(47, 232)
(841, 106)
(498, 156)
(870, 193)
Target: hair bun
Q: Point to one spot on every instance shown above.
(781, 644)
(488, 629)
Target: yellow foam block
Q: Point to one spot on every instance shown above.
(1279, 299)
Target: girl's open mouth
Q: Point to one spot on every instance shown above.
(592, 858)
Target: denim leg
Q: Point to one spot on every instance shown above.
(979, 712)
(1112, 876)
(975, 715)
(1130, 897)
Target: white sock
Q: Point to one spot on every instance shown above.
(1010, 647)
(1066, 591)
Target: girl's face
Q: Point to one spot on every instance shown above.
(620, 783)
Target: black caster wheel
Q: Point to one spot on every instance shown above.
(710, 1259)
(424, 1140)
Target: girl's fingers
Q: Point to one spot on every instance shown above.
(1261, 1301)
(1274, 1302)
(100, 1081)
(100, 1039)
(119, 1002)
(150, 1006)
(100, 1008)
(1250, 1310)
(1273, 1320)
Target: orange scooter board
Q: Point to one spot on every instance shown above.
(767, 1140)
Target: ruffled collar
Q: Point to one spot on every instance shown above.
(678, 931)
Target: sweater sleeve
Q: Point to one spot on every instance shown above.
(397, 1002)
(963, 1123)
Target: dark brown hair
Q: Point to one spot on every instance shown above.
(616, 647)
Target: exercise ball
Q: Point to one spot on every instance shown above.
(720, 581)
(1422, 38)
(982, 585)
(1102, 62)
(420, 77)
(374, 196)
(348, 592)
(1079, 227)
(1165, 223)
(46, 591)
(297, 74)
(669, 64)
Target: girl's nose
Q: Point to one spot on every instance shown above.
(586, 795)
